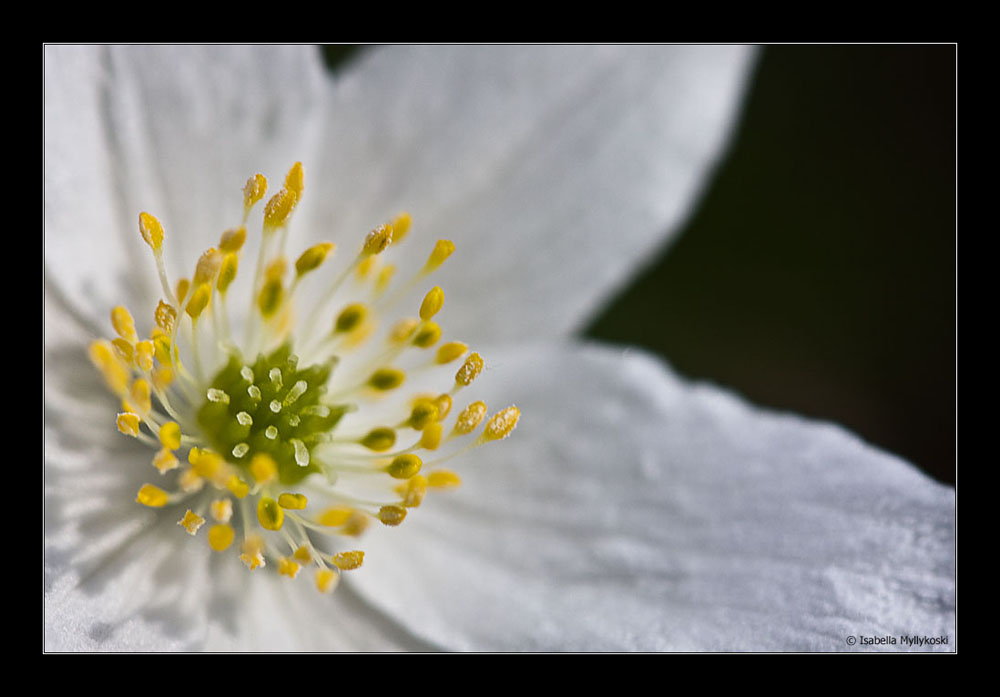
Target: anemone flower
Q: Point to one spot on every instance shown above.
(631, 509)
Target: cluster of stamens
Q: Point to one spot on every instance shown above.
(273, 440)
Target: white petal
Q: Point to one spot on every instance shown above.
(172, 130)
(633, 511)
(554, 169)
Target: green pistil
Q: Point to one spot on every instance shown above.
(281, 401)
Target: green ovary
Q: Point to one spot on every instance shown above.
(301, 417)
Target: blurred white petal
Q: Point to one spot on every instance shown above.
(633, 511)
(554, 169)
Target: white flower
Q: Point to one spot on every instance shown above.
(631, 511)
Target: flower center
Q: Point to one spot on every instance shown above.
(270, 407)
(293, 461)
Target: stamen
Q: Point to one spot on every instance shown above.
(220, 537)
(254, 191)
(294, 502)
(470, 370)
(404, 466)
(122, 321)
(442, 250)
(232, 240)
(501, 424)
(345, 561)
(312, 258)
(432, 303)
(378, 240)
(326, 580)
(191, 522)
(128, 424)
(152, 496)
(470, 418)
(443, 479)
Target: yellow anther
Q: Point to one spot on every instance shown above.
(288, 567)
(190, 481)
(295, 180)
(312, 258)
(128, 424)
(472, 367)
(443, 403)
(428, 335)
(165, 317)
(356, 524)
(384, 277)
(303, 554)
(183, 286)
(254, 190)
(366, 265)
(165, 460)
(151, 231)
(413, 491)
(391, 515)
(263, 468)
(350, 318)
(345, 561)
(403, 330)
(199, 301)
(207, 266)
(121, 320)
(470, 418)
(377, 240)
(432, 303)
(293, 502)
(269, 514)
(442, 250)
(144, 352)
(430, 439)
(443, 479)
(401, 227)
(191, 522)
(123, 350)
(207, 464)
(170, 435)
(115, 373)
(404, 466)
(326, 580)
(161, 348)
(386, 379)
(335, 517)
(220, 537)
(237, 486)
(227, 272)
(379, 439)
(501, 424)
(152, 496)
(424, 412)
(162, 377)
(194, 454)
(232, 240)
(279, 209)
(253, 552)
(272, 293)
(222, 510)
(140, 396)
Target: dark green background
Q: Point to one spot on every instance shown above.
(818, 274)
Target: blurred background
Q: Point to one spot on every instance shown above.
(818, 272)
